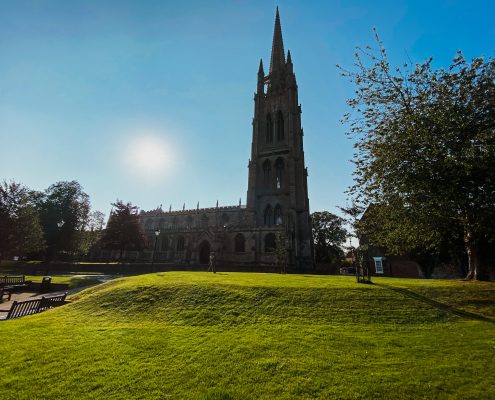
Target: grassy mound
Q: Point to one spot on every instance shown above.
(256, 336)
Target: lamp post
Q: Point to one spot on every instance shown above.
(53, 251)
(157, 233)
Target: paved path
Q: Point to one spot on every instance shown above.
(5, 306)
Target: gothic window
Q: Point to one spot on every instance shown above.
(277, 215)
(269, 129)
(162, 223)
(279, 173)
(267, 168)
(189, 221)
(268, 215)
(269, 243)
(240, 243)
(150, 241)
(204, 221)
(180, 243)
(280, 126)
(164, 245)
(224, 220)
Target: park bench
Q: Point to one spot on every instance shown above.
(15, 281)
(28, 307)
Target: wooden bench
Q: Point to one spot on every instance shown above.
(13, 280)
(28, 307)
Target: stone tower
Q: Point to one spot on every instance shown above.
(277, 184)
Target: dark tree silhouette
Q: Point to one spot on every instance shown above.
(123, 231)
(329, 236)
(20, 229)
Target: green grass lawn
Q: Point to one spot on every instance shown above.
(193, 335)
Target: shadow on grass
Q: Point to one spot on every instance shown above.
(441, 306)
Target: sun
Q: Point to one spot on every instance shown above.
(149, 156)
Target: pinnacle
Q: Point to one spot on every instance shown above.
(277, 60)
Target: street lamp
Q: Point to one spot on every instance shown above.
(157, 233)
(53, 247)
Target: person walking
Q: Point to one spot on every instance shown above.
(212, 265)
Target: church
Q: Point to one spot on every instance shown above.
(276, 212)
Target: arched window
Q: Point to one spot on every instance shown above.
(204, 221)
(164, 246)
(240, 243)
(180, 243)
(268, 215)
(150, 242)
(269, 243)
(279, 173)
(269, 129)
(277, 215)
(189, 221)
(267, 168)
(224, 220)
(280, 126)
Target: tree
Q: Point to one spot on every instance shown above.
(20, 229)
(329, 235)
(123, 231)
(425, 151)
(64, 209)
(91, 233)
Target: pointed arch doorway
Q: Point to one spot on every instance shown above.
(204, 252)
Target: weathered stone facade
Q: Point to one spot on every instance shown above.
(277, 196)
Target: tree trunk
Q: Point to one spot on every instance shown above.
(475, 270)
(473, 262)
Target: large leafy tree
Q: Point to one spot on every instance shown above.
(91, 233)
(20, 229)
(64, 209)
(123, 231)
(329, 235)
(425, 151)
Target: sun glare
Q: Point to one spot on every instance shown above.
(149, 156)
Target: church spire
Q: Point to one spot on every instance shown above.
(277, 62)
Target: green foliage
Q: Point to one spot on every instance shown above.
(425, 145)
(123, 231)
(91, 234)
(329, 235)
(29, 221)
(67, 203)
(20, 229)
(253, 336)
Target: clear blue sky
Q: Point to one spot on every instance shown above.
(83, 83)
